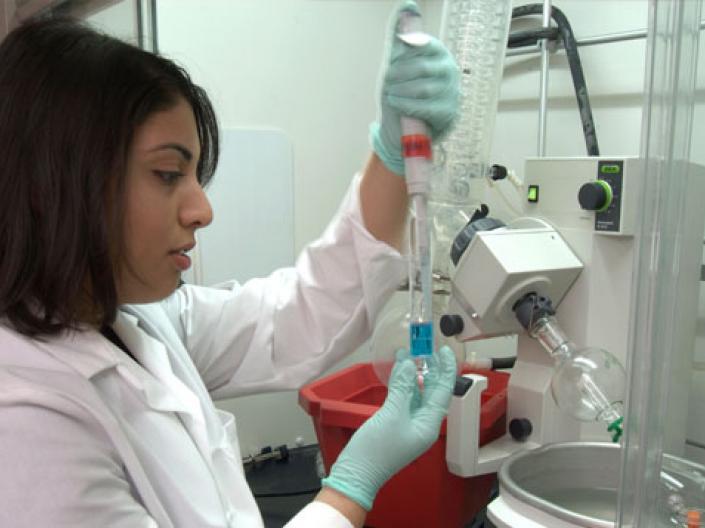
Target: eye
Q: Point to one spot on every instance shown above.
(169, 177)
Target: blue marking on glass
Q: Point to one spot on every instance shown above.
(421, 337)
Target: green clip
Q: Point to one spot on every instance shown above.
(616, 429)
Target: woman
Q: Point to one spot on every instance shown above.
(107, 367)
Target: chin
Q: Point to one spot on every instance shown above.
(165, 293)
(150, 297)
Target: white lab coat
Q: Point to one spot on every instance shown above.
(90, 438)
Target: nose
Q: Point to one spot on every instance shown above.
(195, 211)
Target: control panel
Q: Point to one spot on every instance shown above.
(609, 174)
(590, 193)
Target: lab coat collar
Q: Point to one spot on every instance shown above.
(84, 350)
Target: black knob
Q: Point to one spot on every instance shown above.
(451, 325)
(520, 429)
(283, 453)
(498, 172)
(595, 196)
(462, 385)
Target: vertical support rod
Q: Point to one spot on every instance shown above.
(7, 14)
(543, 95)
(146, 11)
(153, 20)
(139, 22)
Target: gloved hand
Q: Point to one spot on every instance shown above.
(402, 429)
(421, 82)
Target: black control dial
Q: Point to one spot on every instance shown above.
(520, 429)
(595, 195)
(451, 325)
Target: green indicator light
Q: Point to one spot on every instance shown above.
(533, 193)
(610, 169)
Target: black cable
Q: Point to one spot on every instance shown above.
(576, 70)
(290, 494)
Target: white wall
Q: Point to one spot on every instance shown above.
(310, 68)
(307, 67)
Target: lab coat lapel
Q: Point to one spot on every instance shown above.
(171, 394)
(223, 451)
(219, 428)
(84, 350)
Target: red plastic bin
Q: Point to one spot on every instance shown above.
(423, 494)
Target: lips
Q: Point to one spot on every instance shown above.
(185, 248)
(182, 261)
(180, 258)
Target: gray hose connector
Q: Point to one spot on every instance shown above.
(531, 308)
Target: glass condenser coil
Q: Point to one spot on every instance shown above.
(476, 32)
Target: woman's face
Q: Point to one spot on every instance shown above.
(165, 205)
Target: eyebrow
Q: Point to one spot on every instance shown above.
(185, 153)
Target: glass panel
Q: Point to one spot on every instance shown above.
(695, 440)
(659, 490)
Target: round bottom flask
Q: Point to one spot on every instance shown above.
(589, 385)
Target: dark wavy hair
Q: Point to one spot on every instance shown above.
(71, 100)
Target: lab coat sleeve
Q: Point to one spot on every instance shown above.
(58, 469)
(319, 514)
(283, 330)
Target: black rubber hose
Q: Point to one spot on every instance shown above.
(576, 70)
(519, 39)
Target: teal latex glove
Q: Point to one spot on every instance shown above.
(402, 429)
(421, 82)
